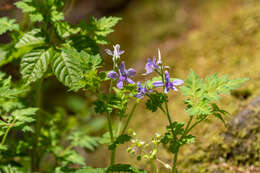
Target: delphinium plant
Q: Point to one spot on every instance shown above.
(201, 98)
(43, 44)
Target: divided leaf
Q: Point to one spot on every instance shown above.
(7, 25)
(35, 64)
(84, 141)
(29, 7)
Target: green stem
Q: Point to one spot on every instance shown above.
(174, 167)
(186, 130)
(110, 128)
(153, 166)
(129, 118)
(7, 131)
(35, 155)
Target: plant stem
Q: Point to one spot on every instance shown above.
(154, 166)
(129, 118)
(35, 159)
(186, 130)
(113, 152)
(7, 131)
(174, 167)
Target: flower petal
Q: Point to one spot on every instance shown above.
(112, 75)
(117, 50)
(120, 84)
(167, 76)
(158, 84)
(131, 72)
(149, 67)
(177, 82)
(139, 95)
(130, 81)
(166, 90)
(109, 52)
(122, 68)
(159, 57)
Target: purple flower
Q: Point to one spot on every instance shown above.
(116, 52)
(153, 65)
(168, 84)
(142, 90)
(124, 75)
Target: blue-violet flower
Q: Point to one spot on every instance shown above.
(153, 65)
(142, 90)
(168, 84)
(124, 75)
(116, 52)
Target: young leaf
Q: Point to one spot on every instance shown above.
(29, 7)
(7, 25)
(34, 65)
(30, 39)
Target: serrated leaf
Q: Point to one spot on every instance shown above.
(36, 17)
(7, 25)
(24, 115)
(35, 64)
(30, 39)
(66, 66)
(29, 7)
(25, 6)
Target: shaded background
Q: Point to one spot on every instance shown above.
(208, 36)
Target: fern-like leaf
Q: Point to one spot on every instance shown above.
(7, 25)
(34, 65)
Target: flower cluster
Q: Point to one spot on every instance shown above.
(124, 75)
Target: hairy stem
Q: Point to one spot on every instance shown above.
(129, 118)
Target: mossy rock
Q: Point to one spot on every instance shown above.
(237, 149)
(241, 143)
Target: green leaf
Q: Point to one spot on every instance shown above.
(91, 170)
(30, 7)
(71, 156)
(120, 140)
(100, 28)
(23, 117)
(193, 85)
(35, 64)
(25, 6)
(124, 168)
(30, 39)
(82, 140)
(66, 66)
(64, 29)
(56, 15)
(6, 90)
(155, 101)
(7, 25)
